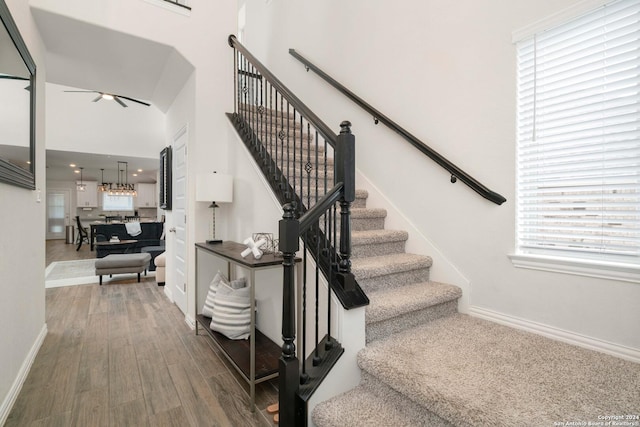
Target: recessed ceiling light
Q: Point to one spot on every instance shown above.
(76, 171)
(72, 165)
(135, 174)
(139, 170)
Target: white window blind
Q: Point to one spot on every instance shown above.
(579, 137)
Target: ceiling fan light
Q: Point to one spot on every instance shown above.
(107, 96)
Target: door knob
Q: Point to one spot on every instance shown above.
(172, 230)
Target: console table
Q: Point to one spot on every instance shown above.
(256, 359)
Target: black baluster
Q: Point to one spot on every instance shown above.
(304, 377)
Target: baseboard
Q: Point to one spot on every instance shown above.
(557, 334)
(168, 293)
(190, 321)
(14, 391)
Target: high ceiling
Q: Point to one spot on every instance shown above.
(90, 57)
(59, 169)
(87, 56)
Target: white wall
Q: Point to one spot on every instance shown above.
(446, 72)
(22, 254)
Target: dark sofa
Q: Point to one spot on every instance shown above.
(150, 236)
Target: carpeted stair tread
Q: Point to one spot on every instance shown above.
(364, 268)
(361, 407)
(377, 242)
(389, 303)
(369, 237)
(474, 372)
(368, 213)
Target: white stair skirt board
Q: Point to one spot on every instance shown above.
(557, 334)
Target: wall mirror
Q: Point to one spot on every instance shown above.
(165, 179)
(17, 105)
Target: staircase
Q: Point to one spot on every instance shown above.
(424, 363)
(427, 365)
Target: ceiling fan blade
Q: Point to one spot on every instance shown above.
(6, 76)
(98, 98)
(134, 100)
(83, 91)
(119, 101)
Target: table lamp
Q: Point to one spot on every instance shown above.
(215, 188)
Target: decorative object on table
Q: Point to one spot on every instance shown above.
(232, 312)
(165, 179)
(270, 246)
(215, 188)
(253, 247)
(114, 239)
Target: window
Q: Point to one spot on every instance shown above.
(116, 202)
(579, 139)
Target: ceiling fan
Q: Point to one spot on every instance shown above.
(10, 77)
(110, 96)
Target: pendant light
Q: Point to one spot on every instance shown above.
(123, 188)
(102, 187)
(82, 186)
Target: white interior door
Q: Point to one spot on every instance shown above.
(58, 213)
(179, 205)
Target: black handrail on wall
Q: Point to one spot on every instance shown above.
(456, 172)
(178, 4)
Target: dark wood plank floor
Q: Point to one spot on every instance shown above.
(122, 355)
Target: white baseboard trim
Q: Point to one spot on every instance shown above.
(557, 334)
(14, 391)
(168, 292)
(190, 321)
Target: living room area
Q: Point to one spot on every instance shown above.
(107, 180)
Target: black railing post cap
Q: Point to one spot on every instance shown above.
(231, 39)
(345, 127)
(289, 210)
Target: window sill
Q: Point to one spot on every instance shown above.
(601, 270)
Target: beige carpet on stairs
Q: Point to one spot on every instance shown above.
(473, 372)
(427, 365)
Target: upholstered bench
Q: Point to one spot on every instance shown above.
(122, 263)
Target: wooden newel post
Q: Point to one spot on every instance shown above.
(289, 366)
(345, 172)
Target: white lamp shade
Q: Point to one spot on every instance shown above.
(214, 187)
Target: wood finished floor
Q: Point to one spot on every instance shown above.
(122, 355)
(58, 250)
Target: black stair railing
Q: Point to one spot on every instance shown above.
(311, 170)
(378, 116)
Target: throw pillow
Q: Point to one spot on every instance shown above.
(207, 310)
(232, 312)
